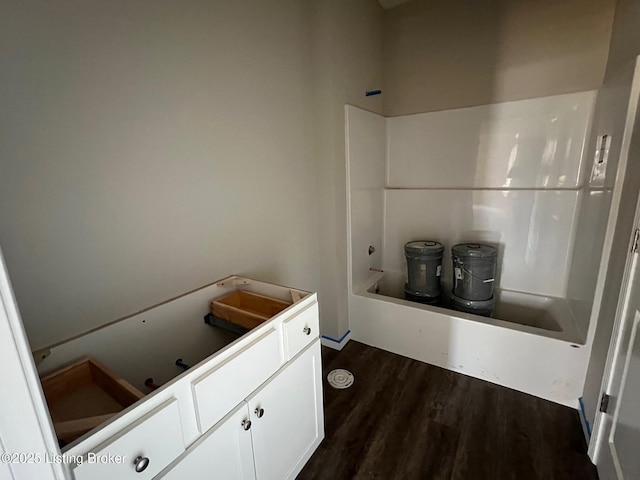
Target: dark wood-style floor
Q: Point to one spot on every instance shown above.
(405, 420)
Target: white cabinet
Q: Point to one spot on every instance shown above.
(224, 452)
(300, 330)
(193, 427)
(287, 418)
(270, 436)
(224, 386)
(138, 452)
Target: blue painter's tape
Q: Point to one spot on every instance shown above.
(372, 92)
(584, 416)
(337, 341)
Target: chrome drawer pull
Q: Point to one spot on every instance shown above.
(141, 463)
(306, 330)
(246, 424)
(259, 412)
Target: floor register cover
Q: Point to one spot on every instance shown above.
(340, 378)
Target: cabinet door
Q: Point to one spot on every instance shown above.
(287, 417)
(223, 453)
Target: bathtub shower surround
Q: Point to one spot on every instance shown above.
(536, 143)
(512, 175)
(505, 174)
(533, 230)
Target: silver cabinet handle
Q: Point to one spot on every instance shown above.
(259, 412)
(141, 463)
(246, 424)
(306, 330)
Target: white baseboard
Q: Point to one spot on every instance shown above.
(336, 344)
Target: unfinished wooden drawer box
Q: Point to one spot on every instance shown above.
(84, 395)
(246, 309)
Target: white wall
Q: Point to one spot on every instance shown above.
(347, 62)
(506, 174)
(441, 55)
(625, 37)
(150, 147)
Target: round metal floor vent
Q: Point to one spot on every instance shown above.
(340, 378)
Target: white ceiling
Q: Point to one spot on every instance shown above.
(387, 4)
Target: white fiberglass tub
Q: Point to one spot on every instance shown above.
(532, 343)
(541, 315)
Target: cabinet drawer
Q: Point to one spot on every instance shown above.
(156, 438)
(219, 390)
(300, 330)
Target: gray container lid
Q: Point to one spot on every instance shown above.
(474, 250)
(424, 247)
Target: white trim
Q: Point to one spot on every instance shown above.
(24, 422)
(600, 422)
(336, 344)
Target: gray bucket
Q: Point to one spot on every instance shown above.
(474, 270)
(424, 266)
(477, 307)
(425, 299)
